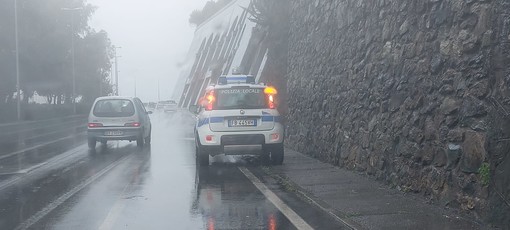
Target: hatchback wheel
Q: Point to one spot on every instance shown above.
(148, 139)
(139, 142)
(92, 143)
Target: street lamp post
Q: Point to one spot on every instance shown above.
(18, 87)
(73, 56)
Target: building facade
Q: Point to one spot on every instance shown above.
(227, 41)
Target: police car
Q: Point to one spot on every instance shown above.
(238, 117)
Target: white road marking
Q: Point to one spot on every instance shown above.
(114, 212)
(51, 162)
(293, 217)
(22, 171)
(40, 121)
(29, 169)
(50, 207)
(84, 125)
(35, 147)
(347, 222)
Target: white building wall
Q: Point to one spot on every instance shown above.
(218, 24)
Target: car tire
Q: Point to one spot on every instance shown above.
(148, 139)
(202, 157)
(139, 142)
(104, 142)
(265, 157)
(92, 143)
(277, 151)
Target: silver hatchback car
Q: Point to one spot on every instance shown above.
(118, 118)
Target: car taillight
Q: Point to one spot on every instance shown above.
(275, 136)
(95, 125)
(211, 98)
(270, 92)
(133, 124)
(271, 102)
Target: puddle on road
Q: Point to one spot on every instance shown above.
(226, 199)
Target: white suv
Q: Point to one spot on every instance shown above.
(238, 117)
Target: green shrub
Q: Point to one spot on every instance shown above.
(484, 172)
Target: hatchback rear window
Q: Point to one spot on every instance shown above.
(114, 108)
(240, 98)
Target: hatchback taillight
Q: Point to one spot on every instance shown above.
(95, 125)
(133, 124)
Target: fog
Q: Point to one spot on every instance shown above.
(154, 35)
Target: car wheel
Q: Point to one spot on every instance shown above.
(202, 157)
(148, 139)
(277, 154)
(264, 157)
(92, 143)
(139, 142)
(104, 142)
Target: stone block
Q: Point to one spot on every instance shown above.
(449, 105)
(480, 89)
(453, 153)
(439, 158)
(473, 107)
(474, 151)
(456, 135)
(430, 132)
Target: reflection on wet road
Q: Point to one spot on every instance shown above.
(120, 186)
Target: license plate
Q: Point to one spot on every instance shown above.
(240, 123)
(113, 133)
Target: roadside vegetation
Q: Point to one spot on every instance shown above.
(197, 17)
(46, 31)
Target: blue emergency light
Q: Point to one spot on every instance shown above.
(236, 79)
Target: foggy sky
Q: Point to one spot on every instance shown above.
(154, 35)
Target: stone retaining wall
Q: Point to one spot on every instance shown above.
(413, 92)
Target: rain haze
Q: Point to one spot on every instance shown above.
(255, 114)
(154, 37)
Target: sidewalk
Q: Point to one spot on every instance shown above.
(363, 202)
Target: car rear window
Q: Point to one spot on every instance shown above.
(114, 108)
(240, 98)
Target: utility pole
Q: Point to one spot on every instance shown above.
(100, 87)
(116, 75)
(18, 86)
(116, 70)
(158, 91)
(73, 65)
(73, 69)
(135, 85)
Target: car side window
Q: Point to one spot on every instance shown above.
(140, 106)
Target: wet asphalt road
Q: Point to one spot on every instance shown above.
(64, 185)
